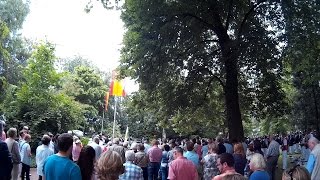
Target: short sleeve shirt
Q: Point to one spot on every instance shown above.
(24, 153)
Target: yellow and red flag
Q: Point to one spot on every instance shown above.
(106, 101)
(116, 86)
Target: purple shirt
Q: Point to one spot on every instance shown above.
(155, 154)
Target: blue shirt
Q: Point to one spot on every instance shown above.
(58, 167)
(259, 175)
(133, 172)
(311, 162)
(25, 151)
(192, 156)
(204, 150)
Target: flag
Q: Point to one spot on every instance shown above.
(116, 88)
(106, 101)
(126, 137)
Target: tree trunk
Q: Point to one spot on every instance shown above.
(232, 96)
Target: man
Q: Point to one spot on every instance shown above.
(284, 148)
(5, 161)
(119, 149)
(3, 134)
(25, 153)
(225, 164)
(155, 156)
(272, 156)
(132, 172)
(228, 146)
(313, 164)
(42, 153)
(142, 160)
(59, 166)
(97, 148)
(181, 168)
(191, 155)
(222, 148)
(146, 145)
(13, 147)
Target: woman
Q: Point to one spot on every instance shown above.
(86, 163)
(296, 173)
(77, 146)
(257, 147)
(164, 162)
(109, 166)
(209, 162)
(14, 150)
(239, 156)
(257, 166)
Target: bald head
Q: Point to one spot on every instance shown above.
(313, 142)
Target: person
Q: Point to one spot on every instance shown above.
(191, 155)
(225, 164)
(205, 148)
(132, 171)
(284, 149)
(42, 153)
(222, 148)
(257, 147)
(170, 153)
(13, 147)
(272, 156)
(164, 162)
(109, 166)
(228, 146)
(240, 160)
(233, 177)
(155, 155)
(146, 145)
(209, 162)
(3, 134)
(142, 160)
(59, 166)
(5, 161)
(25, 153)
(51, 144)
(181, 168)
(257, 166)
(77, 146)
(86, 161)
(55, 143)
(198, 148)
(313, 164)
(296, 173)
(96, 147)
(119, 149)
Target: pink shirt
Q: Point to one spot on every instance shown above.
(219, 177)
(182, 169)
(155, 154)
(76, 152)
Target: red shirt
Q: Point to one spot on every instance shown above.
(155, 154)
(182, 169)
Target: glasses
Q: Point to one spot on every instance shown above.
(290, 172)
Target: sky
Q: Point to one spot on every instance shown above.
(96, 36)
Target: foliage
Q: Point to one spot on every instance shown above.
(177, 49)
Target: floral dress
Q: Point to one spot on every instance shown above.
(210, 168)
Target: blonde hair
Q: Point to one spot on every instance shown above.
(109, 166)
(296, 173)
(258, 161)
(238, 149)
(213, 147)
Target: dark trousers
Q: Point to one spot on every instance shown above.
(153, 170)
(272, 165)
(145, 173)
(164, 173)
(25, 171)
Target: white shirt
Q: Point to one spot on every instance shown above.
(42, 153)
(96, 148)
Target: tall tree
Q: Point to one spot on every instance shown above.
(178, 48)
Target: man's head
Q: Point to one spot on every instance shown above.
(190, 146)
(116, 141)
(177, 152)
(155, 142)
(130, 156)
(45, 140)
(313, 142)
(225, 162)
(65, 143)
(96, 140)
(140, 147)
(27, 137)
(12, 133)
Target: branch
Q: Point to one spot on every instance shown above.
(229, 14)
(246, 16)
(199, 19)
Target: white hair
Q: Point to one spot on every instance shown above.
(258, 161)
(130, 156)
(314, 140)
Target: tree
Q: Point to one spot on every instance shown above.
(302, 57)
(177, 49)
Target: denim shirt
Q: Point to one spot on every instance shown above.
(165, 158)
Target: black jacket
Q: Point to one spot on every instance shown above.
(5, 161)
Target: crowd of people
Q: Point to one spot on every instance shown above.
(63, 156)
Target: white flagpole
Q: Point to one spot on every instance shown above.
(114, 117)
